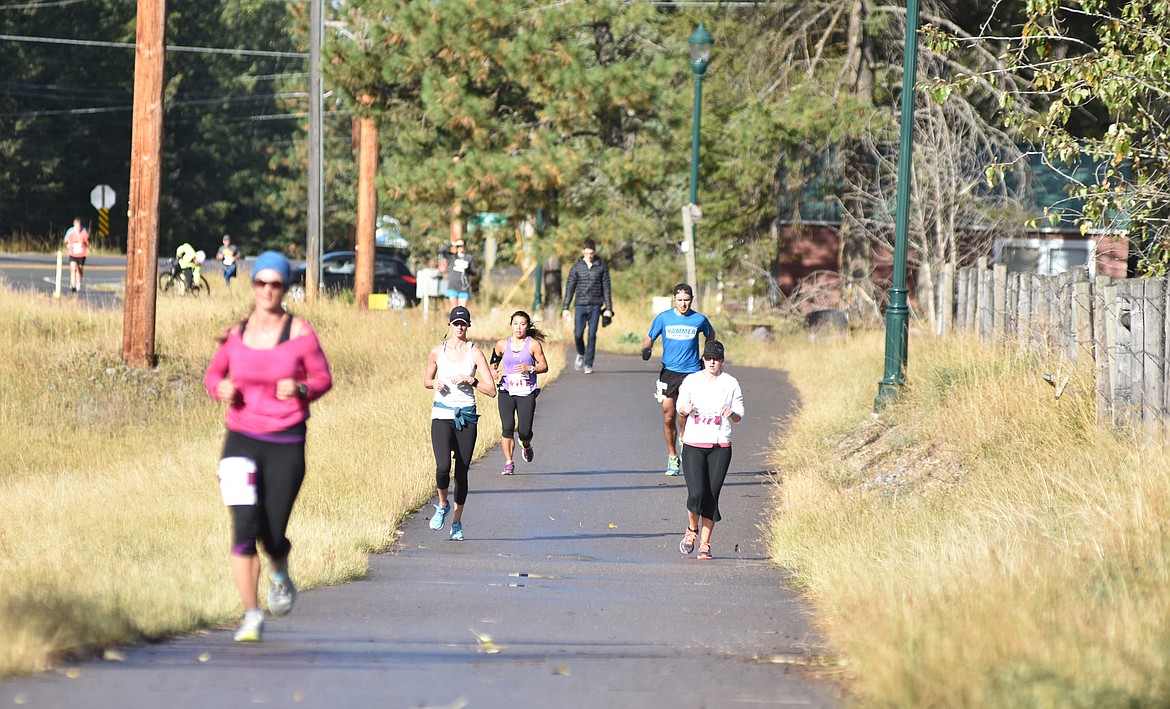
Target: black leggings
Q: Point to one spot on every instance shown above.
(704, 470)
(510, 406)
(447, 441)
(280, 470)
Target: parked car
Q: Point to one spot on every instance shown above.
(391, 276)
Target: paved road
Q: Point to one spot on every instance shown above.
(102, 283)
(571, 567)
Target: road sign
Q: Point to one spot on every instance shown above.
(102, 197)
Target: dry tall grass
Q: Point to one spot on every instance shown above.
(113, 529)
(982, 543)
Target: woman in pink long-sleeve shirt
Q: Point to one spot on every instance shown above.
(267, 369)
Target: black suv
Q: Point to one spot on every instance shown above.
(391, 276)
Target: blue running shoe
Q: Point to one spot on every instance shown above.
(456, 531)
(673, 465)
(440, 516)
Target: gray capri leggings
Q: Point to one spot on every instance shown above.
(704, 470)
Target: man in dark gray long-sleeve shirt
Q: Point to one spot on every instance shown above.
(589, 284)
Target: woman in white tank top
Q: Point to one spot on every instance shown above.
(451, 372)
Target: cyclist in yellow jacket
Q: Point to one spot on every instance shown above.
(191, 263)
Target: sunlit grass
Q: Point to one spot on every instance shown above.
(982, 543)
(113, 529)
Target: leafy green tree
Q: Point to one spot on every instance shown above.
(1091, 79)
(518, 107)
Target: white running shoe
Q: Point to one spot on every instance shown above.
(252, 627)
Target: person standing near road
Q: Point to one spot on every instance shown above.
(268, 368)
(229, 256)
(451, 368)
(460, 269)
(520, 358)
(77, 245)
(589, 285)
(710, 400)
(680, 328)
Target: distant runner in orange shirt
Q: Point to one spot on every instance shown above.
(77, 244)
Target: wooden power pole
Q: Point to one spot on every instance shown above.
(314, 239)
(363, 283)
(145, 156)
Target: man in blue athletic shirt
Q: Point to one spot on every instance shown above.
(680, 328)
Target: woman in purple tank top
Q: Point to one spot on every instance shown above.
(518, 359)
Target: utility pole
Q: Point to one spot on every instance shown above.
(145, 155)
(363, 283)
(314, 240)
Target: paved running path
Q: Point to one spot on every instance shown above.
(609, 615)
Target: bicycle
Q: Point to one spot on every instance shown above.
(172, 281)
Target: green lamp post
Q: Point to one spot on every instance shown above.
(898, 311)
(699, 44)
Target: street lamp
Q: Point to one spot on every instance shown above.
(699, 44)
(898, 311)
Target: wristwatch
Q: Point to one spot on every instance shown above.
(302, 389)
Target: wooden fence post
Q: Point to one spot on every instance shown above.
(1101, 356)
(1024, 326)
(1153, 361)
(1083, 321)
(946, 300)
(999, 300)
(986, 301)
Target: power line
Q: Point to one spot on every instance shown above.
(170, 104)
(170, 48)
(39, 5)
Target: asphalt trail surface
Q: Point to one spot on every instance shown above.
(569, 590)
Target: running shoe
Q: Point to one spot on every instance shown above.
(456, 531)
(580, 362)
(439, 516)
(705, 552)
(588, 369)
(687, 545)
(250, 630)
(673, 465)
(527, 453)
(509, 468)
(281, 594)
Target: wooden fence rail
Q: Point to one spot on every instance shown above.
(1119, 326)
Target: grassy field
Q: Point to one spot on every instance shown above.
(980, 544)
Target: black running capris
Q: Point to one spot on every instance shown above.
(280, 470)
(513, 408)
(447, 441)
(704, 470)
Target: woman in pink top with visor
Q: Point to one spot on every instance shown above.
(267, 369)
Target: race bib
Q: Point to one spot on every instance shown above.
(459, 265)
(518, 384)
(75, 248)
(237, 481)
